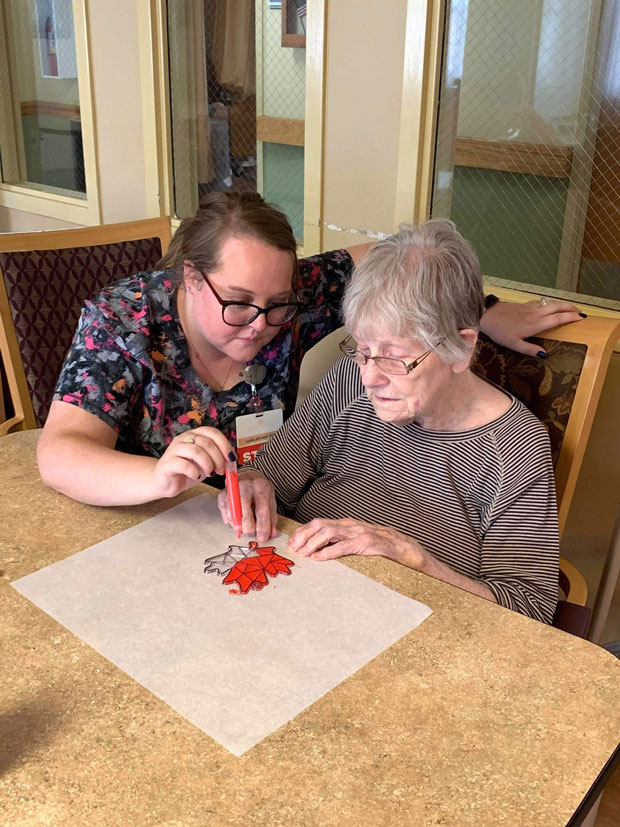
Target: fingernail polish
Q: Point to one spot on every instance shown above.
(541, 354)
(584, 315)
(231, 456)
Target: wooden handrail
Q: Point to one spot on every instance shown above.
(503, 156)
(280, 130)
(58, 110)
(514, 156)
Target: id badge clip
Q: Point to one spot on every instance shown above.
(254, 375)
(253, 430)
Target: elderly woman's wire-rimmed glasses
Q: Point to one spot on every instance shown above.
(386, 364)
(238, 314)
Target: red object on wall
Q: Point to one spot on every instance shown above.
(52, 57)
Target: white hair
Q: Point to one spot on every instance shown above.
(424, 282)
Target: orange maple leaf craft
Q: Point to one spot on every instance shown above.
(251, 572)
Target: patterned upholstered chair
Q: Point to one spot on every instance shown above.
(45, 278)
(562, 390)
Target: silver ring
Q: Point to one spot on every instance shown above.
(190, 440)
(543, 301)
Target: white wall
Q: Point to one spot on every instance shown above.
(365, 56)
(18, 221)
(118, 109)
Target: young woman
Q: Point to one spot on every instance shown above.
(161, 354)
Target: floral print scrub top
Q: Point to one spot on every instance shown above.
(129, 363)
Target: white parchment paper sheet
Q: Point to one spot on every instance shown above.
(237, 666)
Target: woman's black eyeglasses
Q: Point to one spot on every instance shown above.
(238, 314)
(386, 364)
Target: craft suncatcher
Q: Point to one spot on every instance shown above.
(248, 566)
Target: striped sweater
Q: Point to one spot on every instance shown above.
(482, 501)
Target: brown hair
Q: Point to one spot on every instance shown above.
(220, 216)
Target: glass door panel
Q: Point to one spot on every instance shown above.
(527, 159)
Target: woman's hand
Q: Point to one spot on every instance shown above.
(258, 505)
(190, 457)
(510, 323)
(325, 539)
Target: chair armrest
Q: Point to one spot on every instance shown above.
(5, 427)
(571, 618)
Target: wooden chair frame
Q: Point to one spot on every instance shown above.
(600, 336)
(24, 417)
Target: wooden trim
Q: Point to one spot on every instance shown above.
(13, 85)
(314, 127)
(280, 130)
(54, 204)
(261, 13)
(155, 87)
(12, 361)
(2, 405)
(523, 292)
(87, 107)
(572, 583)
(10, 425)
(59, 110)
(297, 41)
(11, 132)
(513, 156)
(418, 111)
(288, 39)
(88, 236)
(428, 132)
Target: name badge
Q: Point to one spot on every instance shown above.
(253, 430)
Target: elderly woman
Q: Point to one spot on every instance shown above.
(402, 451)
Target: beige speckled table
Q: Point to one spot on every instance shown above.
(477, 717)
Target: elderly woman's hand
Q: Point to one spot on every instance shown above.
(325, 539)
(510, 323)
(258, 505)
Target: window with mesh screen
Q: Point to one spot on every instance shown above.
(527, 159)
(237, 96)
(40, 127)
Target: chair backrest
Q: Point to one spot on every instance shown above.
(562, 390)
(45, 278)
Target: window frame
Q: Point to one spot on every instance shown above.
(421, 91)
(155, 85)
(419, 109)
(85, 210)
